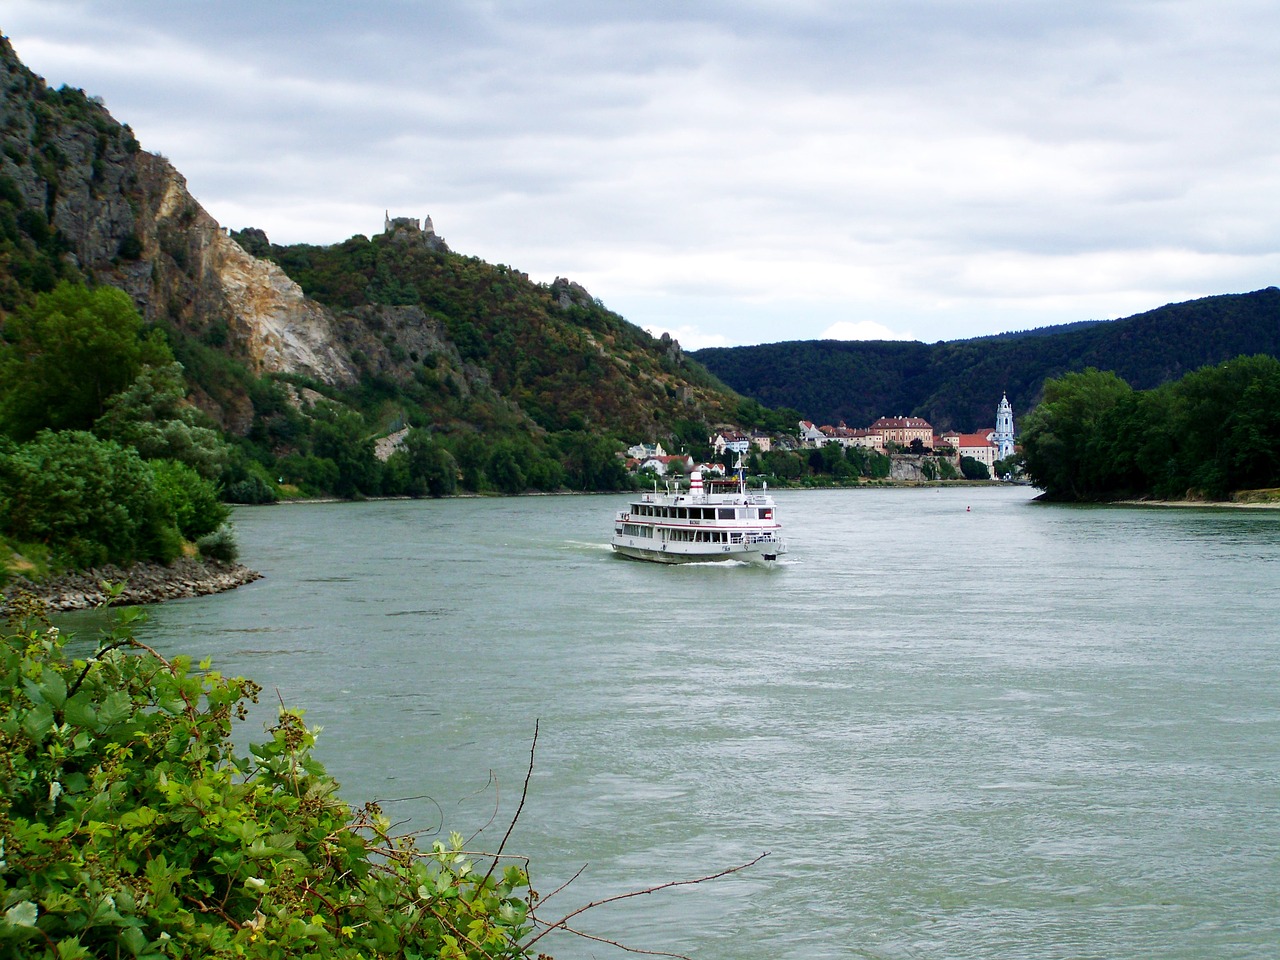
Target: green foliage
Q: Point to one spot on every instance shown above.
(132, 826)
(219, 545)
(974, 469)
(340, 437)
(1215, 431)
(152, 415)
(90, 500)
(67, 354)
(504, 471)
(191, 502)
(30, 250)
(1007, 466)
(247, 481)
(591, 462)
(429, 468)
(1059, 451)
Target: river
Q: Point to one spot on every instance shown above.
(961, 724)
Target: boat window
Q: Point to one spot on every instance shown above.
(726, 513)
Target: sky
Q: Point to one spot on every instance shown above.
(729, 172)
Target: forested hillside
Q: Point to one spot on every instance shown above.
(424, 321)
(956, 384)
(301, 358)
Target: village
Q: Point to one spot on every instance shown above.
(886, 436)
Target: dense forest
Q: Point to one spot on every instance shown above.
(956, 384)
(1210, 434)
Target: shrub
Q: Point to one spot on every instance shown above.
(91, 500)
(219, 545)
(189, 500)
(131, 826)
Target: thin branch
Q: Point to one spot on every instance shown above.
(562, 923)
(497, 804)
(524, 795)
(622, 946)
(575, 876)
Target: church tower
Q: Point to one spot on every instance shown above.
(1004, 428)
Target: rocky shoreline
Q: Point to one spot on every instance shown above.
(144, 583)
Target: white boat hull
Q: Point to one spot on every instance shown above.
(764, 553)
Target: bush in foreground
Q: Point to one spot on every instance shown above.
(131, 827)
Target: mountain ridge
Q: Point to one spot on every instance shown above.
(956, 384)
(111, 212)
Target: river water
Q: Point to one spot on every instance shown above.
(962, 725)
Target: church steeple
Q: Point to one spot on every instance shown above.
(1004, 428)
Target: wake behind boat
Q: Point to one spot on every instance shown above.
(725, 522)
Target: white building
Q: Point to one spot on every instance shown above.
(979, 446)
(1004, 429)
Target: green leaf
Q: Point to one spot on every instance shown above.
(38, 722)
(134, 940)
(79, 711)
(115, 708)
(54, 688)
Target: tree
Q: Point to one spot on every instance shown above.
(152, 415)
(1056, 434)
(974, 469)
(67, 354)
(504, 470)
(1006, 466)
(340, 437)
(92, 501)
(189, 500)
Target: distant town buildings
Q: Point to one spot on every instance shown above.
(905, 434)
(986, 445)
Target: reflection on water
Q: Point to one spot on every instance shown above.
(964, 725)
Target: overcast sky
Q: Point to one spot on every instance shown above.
(731, 172)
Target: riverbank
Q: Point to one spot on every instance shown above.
(1203, 504)
(145, 583)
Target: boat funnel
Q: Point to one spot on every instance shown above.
(695, 483)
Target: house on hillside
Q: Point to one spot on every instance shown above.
(849, 437)
(665, 465)
(642, 451)
(811, 436)
(732, 441)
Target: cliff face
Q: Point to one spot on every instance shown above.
(465, 344)
(127, 219)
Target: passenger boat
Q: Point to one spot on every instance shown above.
(722, 522)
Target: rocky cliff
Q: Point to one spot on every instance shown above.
(126, 218)
(436, 338)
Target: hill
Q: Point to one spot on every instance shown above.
(397, 328)
(956, 384)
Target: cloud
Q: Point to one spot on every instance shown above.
(861, 330)
(734, 170)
